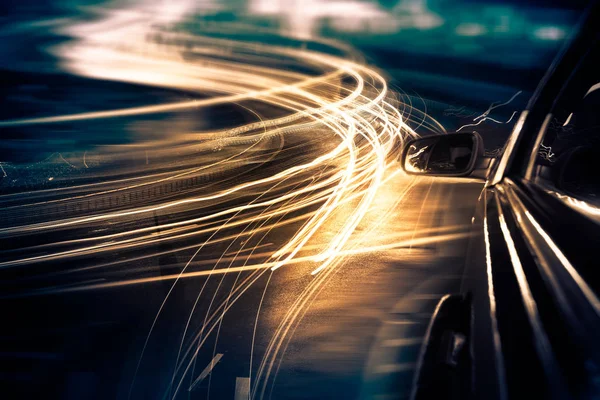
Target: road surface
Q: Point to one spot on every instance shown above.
(254, 240)
(353, 333)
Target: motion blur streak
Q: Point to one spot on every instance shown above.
(318, 146)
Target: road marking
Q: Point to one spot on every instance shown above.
(206, 371)
(242, 388)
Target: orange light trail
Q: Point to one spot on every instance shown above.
(334, 138)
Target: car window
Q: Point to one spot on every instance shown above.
(567, 161)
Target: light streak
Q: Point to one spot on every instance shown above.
(546, 152)
(485, 115)
(410, 167)
(405, 244)
(331, 135)
(542, 343)
(66, 162)
(585, 289)
(487, 119)
(498, 355)
(508, 150)
(494, 106)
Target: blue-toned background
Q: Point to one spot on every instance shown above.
(457, 53)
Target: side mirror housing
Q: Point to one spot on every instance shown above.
(454, 154)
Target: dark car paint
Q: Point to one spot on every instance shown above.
(531, 274)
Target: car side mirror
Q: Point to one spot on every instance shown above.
(454, 154)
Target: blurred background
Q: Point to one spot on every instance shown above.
(452, 56)
(465, 64)
(468, 39)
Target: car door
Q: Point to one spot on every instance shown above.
(534, 276)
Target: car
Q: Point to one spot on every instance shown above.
(526, 322)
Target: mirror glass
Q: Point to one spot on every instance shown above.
(451, 154)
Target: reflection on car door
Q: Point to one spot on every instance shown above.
(536, 306)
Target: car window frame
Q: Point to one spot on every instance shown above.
(521, 145)
(577, 204)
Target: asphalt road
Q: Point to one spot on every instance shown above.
(254, 238)
(351, 333)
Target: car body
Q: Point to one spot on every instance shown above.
(526, 323)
